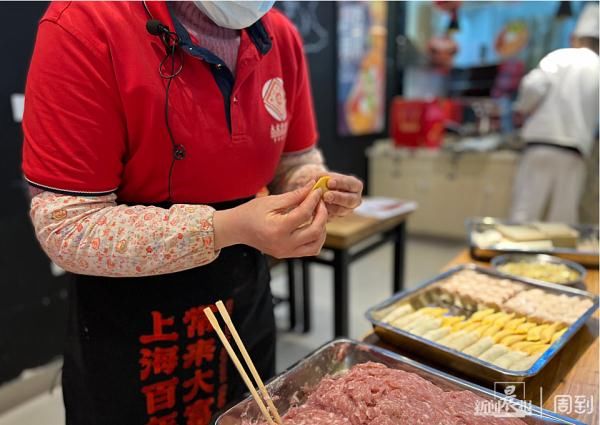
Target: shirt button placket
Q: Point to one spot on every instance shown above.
(237, 126)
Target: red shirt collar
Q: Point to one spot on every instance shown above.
(259, 33)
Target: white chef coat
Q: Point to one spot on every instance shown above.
(562, 96)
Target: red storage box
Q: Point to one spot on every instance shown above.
(420, 123)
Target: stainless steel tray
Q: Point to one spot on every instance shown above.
(587, 258)
(457, 360)
(339, 355)
(540, 259)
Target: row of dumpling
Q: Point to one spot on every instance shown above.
(472, 288)
(480, 288)
(500, 338)
(546, 307)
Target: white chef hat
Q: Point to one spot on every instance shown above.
(587, 24)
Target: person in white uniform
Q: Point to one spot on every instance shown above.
(559, 102)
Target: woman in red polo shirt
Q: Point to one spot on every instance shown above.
(148, 130)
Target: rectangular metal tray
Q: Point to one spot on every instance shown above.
(587, 258)
(503, 259)
(457, 360)
(339, 355)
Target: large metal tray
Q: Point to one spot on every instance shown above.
(293, 385)
(587, 258)
(457, 360)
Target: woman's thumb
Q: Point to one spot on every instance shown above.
(294, 197)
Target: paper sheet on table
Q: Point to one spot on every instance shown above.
(382, 208)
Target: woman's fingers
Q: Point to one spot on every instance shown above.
(343, 199)
(315, 230)
(345, 183)
(292, 199)
(337, 211)
(304, 212)
(300, 227)
(311, 248)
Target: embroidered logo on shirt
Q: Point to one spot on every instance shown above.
(279, 132)
(273, 95)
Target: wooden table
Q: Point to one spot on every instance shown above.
(573, 372)
(344, 239)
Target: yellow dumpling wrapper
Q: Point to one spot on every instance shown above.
(478, 316)
(526, 326)
(481, 329)
(322, 184)
(514, 323)
(460, 325)
(557, 335)
(503, 333)
(451, 320)
(522, 345)
(503, 320)
(497, 317)
(434, 311)
(492, 330)
(511, 339)
(546, 335)
(493, 317)
(536, 348)
(471, 326)
(535, 334)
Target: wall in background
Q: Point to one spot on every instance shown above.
(317, 22)
(32, 300)
(480, 23)
(513, 33)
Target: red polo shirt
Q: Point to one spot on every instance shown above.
(94, 111)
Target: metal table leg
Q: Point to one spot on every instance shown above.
(399, 253)
(341, 265)
(291, 278)
(306, 323)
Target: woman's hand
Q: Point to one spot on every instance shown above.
(283, 226)
(344, 195)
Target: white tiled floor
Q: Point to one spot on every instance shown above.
(370, 282)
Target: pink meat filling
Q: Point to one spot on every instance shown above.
(374, 394)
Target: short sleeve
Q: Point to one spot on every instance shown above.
(73, 125)
(302, 131)
(532, 90)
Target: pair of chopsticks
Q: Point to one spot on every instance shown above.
(272, 410)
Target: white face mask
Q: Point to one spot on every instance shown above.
(234, 14)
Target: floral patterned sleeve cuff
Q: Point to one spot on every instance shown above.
(95, 236)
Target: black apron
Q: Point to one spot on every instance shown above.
(139, 351)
